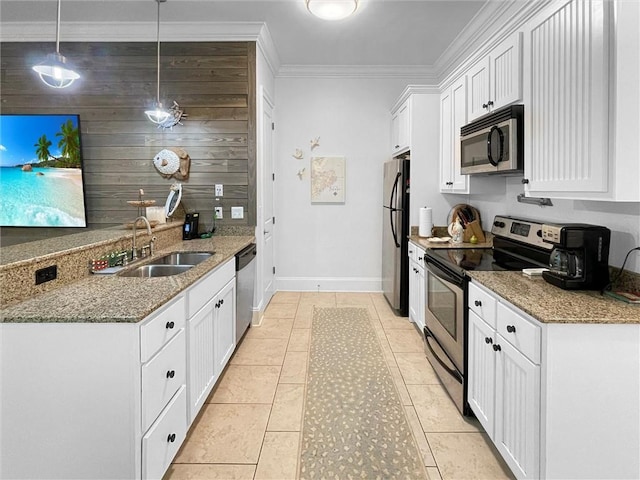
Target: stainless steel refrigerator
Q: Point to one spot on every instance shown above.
(395, 235)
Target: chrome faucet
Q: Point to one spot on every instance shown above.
(134, 253)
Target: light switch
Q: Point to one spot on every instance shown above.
(219, 190)
(237, 212)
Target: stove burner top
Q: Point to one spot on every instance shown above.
(478, 259)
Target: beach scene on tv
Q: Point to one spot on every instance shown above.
(41, 171)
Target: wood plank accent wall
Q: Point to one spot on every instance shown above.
(215, 84)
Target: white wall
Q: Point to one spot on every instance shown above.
(623, 219)
(337, 247)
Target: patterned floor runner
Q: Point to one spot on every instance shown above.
(354, 422)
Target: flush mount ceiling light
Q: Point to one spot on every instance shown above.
(332, 9)
(54, 71)
(158, 115)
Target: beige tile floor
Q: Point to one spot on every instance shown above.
(251, 424)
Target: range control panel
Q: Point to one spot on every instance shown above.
(525, 231)
(551, 233)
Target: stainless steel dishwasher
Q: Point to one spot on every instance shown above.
(245, 278)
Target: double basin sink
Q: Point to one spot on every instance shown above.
(167, 265)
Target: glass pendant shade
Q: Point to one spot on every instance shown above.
(332, 9)
(54, 71)
(158, 115)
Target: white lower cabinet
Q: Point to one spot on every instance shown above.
(118, 397)
(504, 385)
(211, 332)
(559, 401)
(417, 293)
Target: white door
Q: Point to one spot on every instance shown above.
(268, 224)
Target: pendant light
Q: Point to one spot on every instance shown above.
(332, 9)
(158, 115)
(54, 71)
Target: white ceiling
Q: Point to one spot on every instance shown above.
(408, 33)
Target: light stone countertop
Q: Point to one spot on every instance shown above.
(550, 304)
(115, 299)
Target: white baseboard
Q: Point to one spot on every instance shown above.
(329, 284)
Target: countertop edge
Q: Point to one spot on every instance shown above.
(86, 300)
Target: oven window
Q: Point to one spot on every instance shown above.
(441, 301)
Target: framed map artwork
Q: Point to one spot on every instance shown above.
(327, 179)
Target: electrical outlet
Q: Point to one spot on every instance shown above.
(237, 212)
(219, 190)
(46, 274)
(218, 212)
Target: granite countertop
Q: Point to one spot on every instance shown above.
(425, 243)
(550, 304)
(111, 298)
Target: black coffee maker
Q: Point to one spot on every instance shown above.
(580, 257)
(190, 227)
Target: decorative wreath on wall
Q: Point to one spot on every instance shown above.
(173, 162)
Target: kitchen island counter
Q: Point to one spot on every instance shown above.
(116, 299)
(549, 304)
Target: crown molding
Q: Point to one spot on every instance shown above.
(420, 73)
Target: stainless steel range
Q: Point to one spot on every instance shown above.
(517, 244)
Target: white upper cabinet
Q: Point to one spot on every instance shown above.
(401, 128)
(566, 97)
(453, 116)
(496, 79)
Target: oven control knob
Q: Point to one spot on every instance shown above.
(496, 348)
(499, 224)
(477, 303)
(511, 329)
(539, 233)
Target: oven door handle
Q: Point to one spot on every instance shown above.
(451, 371)
(443, 274)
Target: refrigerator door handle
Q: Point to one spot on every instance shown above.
(392, 209)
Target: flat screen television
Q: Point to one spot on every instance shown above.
(41, 176)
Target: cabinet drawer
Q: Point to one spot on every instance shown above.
(161, 328)
(416, 253)
(483, 304)
(162, 441)
(519, 332)
(162, 377)
(203, 291)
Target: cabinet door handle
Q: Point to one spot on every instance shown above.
(169, 325)
(511, 329)
(171, 373)
(171, 438)
(488, 340)
(397, 146)
(217, 305)
(496, 348)
(222, 301)
(490, 103)
(477, 303)
(419, 259)
(525, 181)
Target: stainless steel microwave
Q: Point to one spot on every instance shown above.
(494, 143)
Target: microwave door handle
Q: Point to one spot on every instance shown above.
(393, 210)
(501, 146)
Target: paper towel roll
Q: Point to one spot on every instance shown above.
(425, 224)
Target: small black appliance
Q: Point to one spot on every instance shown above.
(580, 258)
(190, 227)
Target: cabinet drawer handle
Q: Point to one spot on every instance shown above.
(511, 329)
(171, 438)
(477, 303)
(171, 373)
(170, 325)
(419, 259)
(496, 348)
(488, 340)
